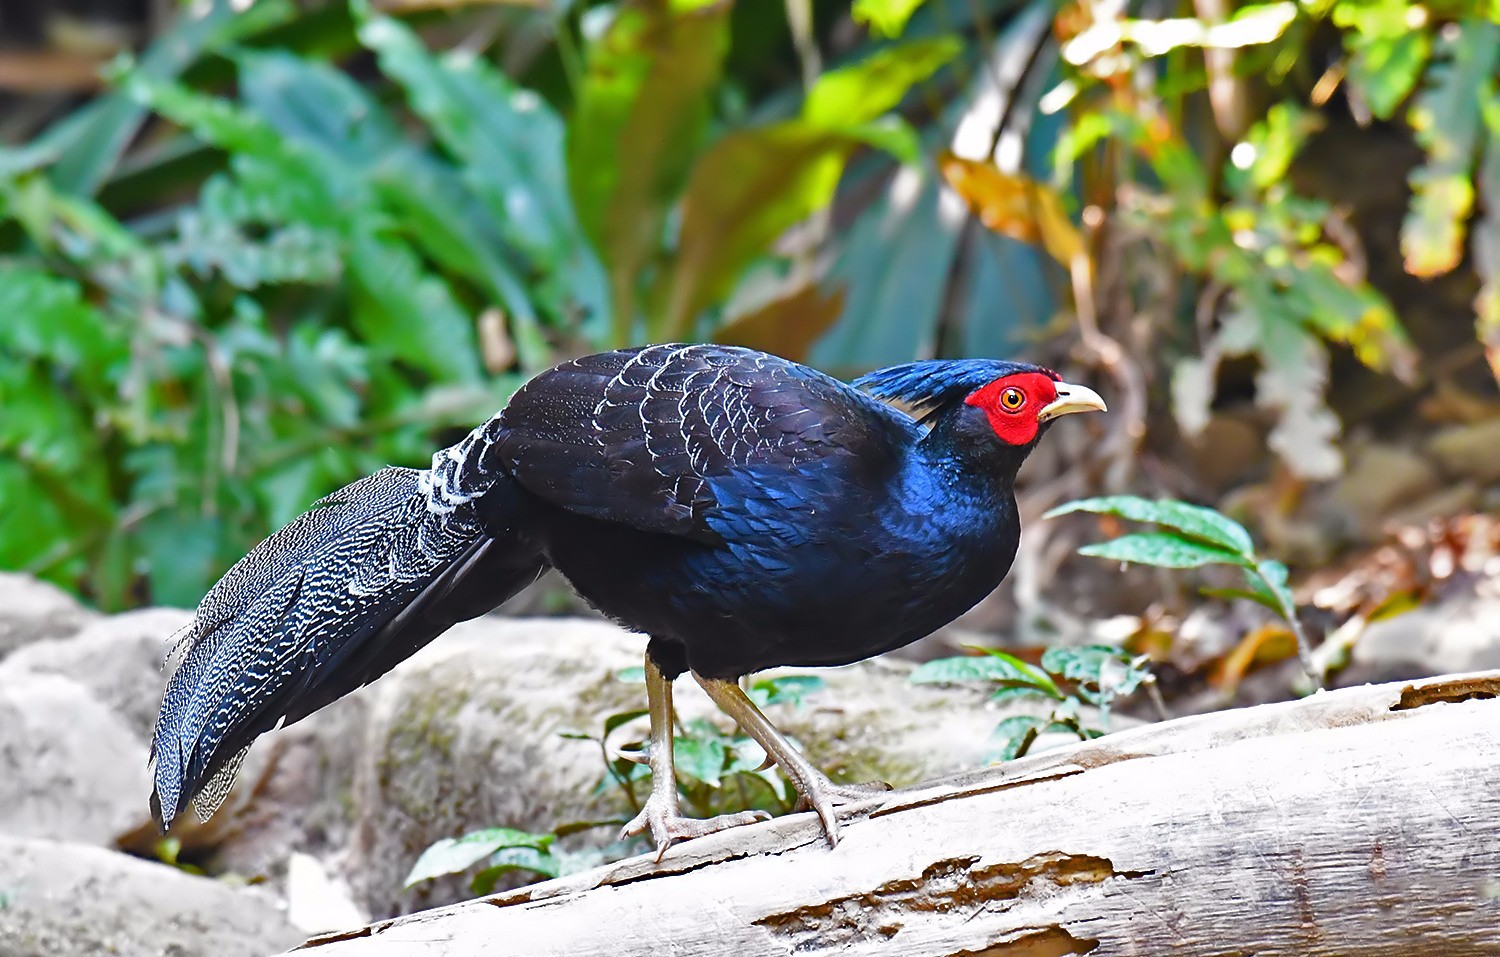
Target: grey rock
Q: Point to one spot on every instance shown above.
(69, 768)
(61, 900)
(1469, 451)
(1380, 479)
(1459, 633)
(32, 610)
(119, 659)
(467, 735)
(294, 795)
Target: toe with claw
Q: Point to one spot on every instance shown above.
(666, 824)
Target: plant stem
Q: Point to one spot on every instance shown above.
(1289, 612)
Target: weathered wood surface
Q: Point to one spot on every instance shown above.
(1358, 822)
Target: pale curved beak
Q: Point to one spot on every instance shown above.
(1072, 398)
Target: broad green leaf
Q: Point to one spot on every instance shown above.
(1387, 51)
(1447, 121)
(290, 254)
(699, 759)
(311, 103)
(1193, 521)
(744, 757)
(1487, 241)
(1010, 692)
(218, 122)
(509, 144)
(408, 312)
(509, 859)
(856, 94)
(1013, 737)
(750, 187)
(784, 689)
(1163, 550)
(1108, 670)
(1268, 580)
(184, 554)
(46, 318)
(636, 128)
(1261, 597)
(452, 855)
(889, 134)
(624, 717)
(993, 666)
(886, 18)
(95, 142)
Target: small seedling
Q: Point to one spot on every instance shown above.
(717, 773)
(1191, 536)
(1069, 677)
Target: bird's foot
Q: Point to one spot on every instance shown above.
(666, 824)
(822, 795)
(841, 794)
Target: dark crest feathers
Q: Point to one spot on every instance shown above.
(936, 384)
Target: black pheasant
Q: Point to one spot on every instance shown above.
(742, 510)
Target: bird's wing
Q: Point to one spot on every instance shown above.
(640, 436)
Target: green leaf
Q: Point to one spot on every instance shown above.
(1446, 119)
(788, 689)
(510, 859)
(311, 103)
(857, 94)
(1012, 691)
(1193, 521)
(1268, 580)
(509, 143)
(452, 855)
(624, 717)
(1486, 239)
(699, 759)
(639, 119)
(1162, 550)
(1261, 597)
(46, 318)
(886, 18)
(184, 555)
(409, 313)
(992, 666)
(1013, 737)
(1386, 51)
(103, 129)
(889, 134)
(215, 121)
(1106, 669)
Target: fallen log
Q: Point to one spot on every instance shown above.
(1357, 822)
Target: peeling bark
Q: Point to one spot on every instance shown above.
(1358, 822)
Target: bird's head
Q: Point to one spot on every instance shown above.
(1019, 404)
(1012, 401)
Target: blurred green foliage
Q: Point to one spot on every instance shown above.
(293, 243)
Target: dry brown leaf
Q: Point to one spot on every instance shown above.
(786, 327)
(1264, 645)
(1015, 206)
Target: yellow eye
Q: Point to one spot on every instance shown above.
(1012, 399)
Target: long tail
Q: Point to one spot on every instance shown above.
(333, 601)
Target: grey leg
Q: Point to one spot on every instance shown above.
(818, 793)
(662, 814)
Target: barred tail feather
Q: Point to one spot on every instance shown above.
(354, 586)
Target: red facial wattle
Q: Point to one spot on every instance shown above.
(1015, 424)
